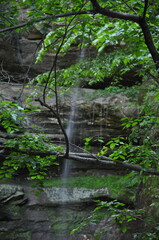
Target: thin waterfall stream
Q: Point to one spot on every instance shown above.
(64, 195)
(70, 126)
(70, 130)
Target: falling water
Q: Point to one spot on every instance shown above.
(71, 121)
(63, 195)
(101, 116)
(70, 130)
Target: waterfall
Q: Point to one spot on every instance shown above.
(64, 193)
(70, 130)
(70, 126)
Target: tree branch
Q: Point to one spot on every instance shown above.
(107, 162)
(21, 25)
(113, 14)
(56, 114)
(149, 42)
(134, 18)
(145, 8)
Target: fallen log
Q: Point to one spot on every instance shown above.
(84, 157)
(89, 155)
(104, 161)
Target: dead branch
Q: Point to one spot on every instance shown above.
(103, 161)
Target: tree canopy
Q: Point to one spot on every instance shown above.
(93, 22)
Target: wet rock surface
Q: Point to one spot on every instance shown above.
(46, 216)
(97, 116)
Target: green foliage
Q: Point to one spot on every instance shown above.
(86, 29)
(87, 144)
(21, 156)
(111, 65)
(95, 30)
(140, 148)
(100, 31)
(124, 150)
(11, 115)
(8, 13)
(141, 145)
(34, 164)
(89, 140)
(31, 142)
(117, 212)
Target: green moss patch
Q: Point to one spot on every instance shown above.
(118, 186)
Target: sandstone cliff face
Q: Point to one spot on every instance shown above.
(22, 214)
(94, 117)
(18, 54)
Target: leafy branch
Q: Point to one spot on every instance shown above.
(48, 17)
(43, 102)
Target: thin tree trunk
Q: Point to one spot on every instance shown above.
(149, 42)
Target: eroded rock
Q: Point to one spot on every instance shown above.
(73, 195)
(9, 192)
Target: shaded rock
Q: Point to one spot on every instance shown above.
(18, 55)
(10, 193)
(53, 214)
(97, 117)
(61, 195)
(107, 229)
(72, 195)
(36, 215)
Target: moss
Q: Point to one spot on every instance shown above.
(118, 186)
(60, 227)
(15, 235)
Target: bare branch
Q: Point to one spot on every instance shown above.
(107, 162)
(54, 68)
(47, 106)
(145, 8)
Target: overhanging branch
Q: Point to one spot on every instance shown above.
(113, 14)
(134, 18)
(48, 17)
